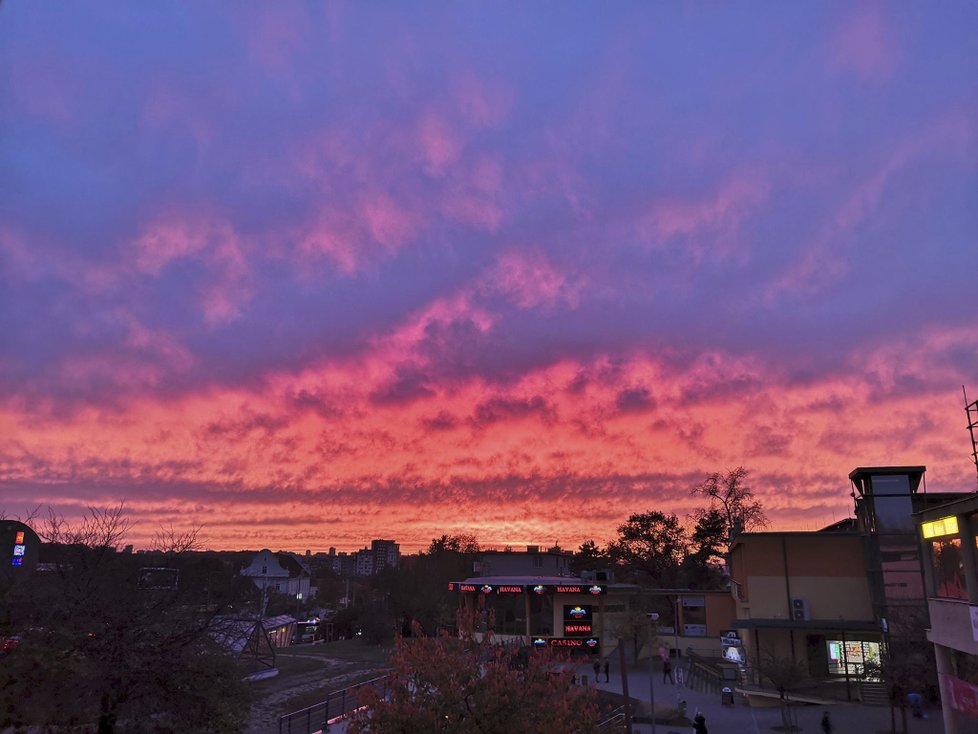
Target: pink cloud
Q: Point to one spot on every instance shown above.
(482, 102)
(723, 211)
(864, 43)
(439, 144)
(531, 280)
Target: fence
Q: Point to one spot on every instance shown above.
(314, 718)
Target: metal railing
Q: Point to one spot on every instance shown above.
(613, 720)
(338, 703)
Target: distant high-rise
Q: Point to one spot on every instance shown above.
(385, 554)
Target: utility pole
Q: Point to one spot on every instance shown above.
(624, 685)
(653, 630)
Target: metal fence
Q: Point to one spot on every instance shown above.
(314, 718)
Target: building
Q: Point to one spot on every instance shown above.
(384, 554)
(805, 597)
(547, 611)
(949, 549)
(284, 573)
(532, 562)
(840, 599)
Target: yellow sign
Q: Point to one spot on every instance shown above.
(938, 528)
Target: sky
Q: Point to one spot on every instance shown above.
(312, 274)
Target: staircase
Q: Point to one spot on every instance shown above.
(874, 694)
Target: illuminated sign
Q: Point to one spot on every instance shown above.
(487, 589)
(578, 629)
(570, 589)
(595, 589)
(577, 612)
(19, 550)
(571, 644)
(538, 589)
(467, 587)
(451, 586)
(17, 561)
(937, 528)
(19, 538)
(509, 589)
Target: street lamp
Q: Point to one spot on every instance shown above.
(653, 630)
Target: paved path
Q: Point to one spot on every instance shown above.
(847, 718)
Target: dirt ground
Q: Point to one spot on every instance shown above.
(307, 673)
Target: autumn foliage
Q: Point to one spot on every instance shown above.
(466, 686)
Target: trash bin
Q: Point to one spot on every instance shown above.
(726, 697)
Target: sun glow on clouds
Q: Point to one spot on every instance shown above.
(343, 273)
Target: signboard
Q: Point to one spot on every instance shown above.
(573, 644)
(962, 696)
(694, 630)
(539, 589)
(591, 589)
(19, 545)
(578, 620)
(732, 648)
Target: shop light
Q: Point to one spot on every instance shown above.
(938, 528)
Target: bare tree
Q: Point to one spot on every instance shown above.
(170, 540)
(734, 498)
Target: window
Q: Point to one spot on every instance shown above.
(948, 566)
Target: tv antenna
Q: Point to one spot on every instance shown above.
(971, 408)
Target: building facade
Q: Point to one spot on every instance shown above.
(948, 547)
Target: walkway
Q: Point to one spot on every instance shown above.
(847, 718)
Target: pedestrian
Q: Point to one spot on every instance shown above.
(607, 669)
(597, 670)
(826, 723)
(699, 724)
(667, 672)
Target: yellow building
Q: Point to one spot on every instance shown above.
(805, 597)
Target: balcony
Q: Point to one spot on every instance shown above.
(954, 623)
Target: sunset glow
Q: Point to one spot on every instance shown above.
(313, 274)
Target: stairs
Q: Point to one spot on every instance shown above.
(874, 694)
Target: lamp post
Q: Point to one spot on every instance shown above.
(653, 629)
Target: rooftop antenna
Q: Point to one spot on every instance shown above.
(972, 410)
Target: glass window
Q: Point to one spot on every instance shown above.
(948, 567)
(851, 655)
(541, 615)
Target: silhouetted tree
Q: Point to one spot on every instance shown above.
(651, 548)
(732, 497)
(128, 652)
(589, 556)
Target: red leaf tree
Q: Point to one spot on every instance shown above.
(464, 685)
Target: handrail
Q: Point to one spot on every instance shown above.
(338, 703)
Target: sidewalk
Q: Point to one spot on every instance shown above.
(742, 719)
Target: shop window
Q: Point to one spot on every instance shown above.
(948, 566)
(852, 656)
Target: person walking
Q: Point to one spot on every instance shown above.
(597, 671)
(607, 669)
(699, 724)
(667, 672)
(826, 723)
